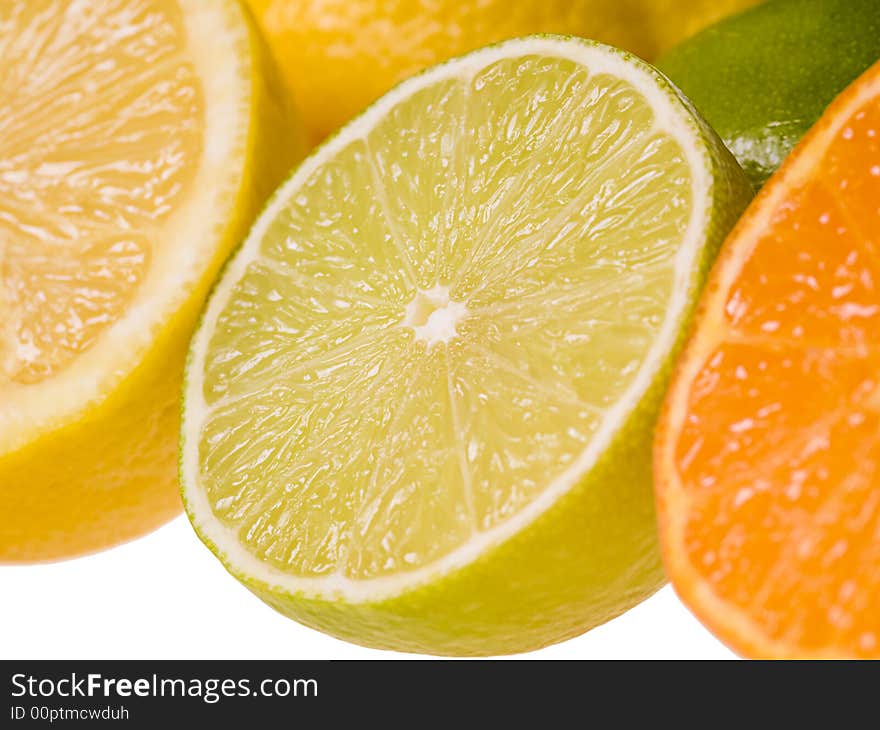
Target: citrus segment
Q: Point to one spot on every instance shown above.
(435, 327)
(768, 458)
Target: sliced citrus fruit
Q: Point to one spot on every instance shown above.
(132, 157)
(418, 411)
(768, 455)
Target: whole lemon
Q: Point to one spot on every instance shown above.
(339, 55)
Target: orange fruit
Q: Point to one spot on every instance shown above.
(767, 458)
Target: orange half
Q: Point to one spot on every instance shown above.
(767, 457)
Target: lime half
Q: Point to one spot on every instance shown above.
(418, 410)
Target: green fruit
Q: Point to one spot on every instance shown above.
(763, 77)
(419, 408)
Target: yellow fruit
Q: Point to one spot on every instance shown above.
(138, 139)
(339, 55)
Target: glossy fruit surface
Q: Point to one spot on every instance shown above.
(767, 460)
(133, 156)
(419, 409)
(340, 55)
(763, 77)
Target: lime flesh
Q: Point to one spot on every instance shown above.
(443, 324)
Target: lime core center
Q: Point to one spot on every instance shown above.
(433, 316)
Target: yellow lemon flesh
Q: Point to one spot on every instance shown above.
(339, 55)
(136, 141)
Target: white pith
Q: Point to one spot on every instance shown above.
(670, 116)
(192, 231)
(440, 324)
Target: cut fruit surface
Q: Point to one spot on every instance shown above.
(127, 158)
(768, 456)
(84, 196)
(434, 335)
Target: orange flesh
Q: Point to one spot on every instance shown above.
(777, 458)
(100, 134)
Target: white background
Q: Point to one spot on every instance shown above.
(166, 597)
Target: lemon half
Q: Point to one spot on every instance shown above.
(138, 139)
